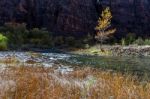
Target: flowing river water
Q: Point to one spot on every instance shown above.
(65, 62)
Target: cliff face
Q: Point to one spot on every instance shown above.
(130, 15)
(77, 16)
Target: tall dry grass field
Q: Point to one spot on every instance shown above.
(44, 83)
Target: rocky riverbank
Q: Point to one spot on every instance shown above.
(130, 50)
(116, 50)
(45, 60)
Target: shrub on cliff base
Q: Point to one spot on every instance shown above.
(59, 40)
(70, 41)
(40, 37)
(79, 44)
(147, 42)
(20, 37)
(130, 38)
(139, 41)
(16, 33)
(3, 42)
(123, 41)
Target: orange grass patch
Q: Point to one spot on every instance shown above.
(39, 83)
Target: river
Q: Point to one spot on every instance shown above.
(66, 62)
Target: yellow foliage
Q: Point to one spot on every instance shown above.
(104, 23)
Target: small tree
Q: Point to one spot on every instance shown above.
(103, 27)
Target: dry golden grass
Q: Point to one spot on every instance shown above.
(85, 83)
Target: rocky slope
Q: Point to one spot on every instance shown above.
(77, 16)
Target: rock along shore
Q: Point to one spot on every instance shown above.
(130, 50)
(116, 50)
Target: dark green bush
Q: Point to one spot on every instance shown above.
(59, 40)
(86, 46)
(130, 38)
(139, 41)
(40, 38)
(147, 42)
(70, 41)
(88, 39)
(79, 44)
(19, 36)
(16, 34)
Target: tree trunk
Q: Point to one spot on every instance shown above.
(101, 39)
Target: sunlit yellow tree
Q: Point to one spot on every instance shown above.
(103, 30)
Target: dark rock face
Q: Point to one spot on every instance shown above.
(130, 15)
(77, 16)
(59, 16)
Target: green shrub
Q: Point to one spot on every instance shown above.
(3, 42)
(20, 37)
(79, 44)
(59, 40)
(40, 38)
(86, 46)
(139, 41)
(70, 41)
(123, 42)
(16, 33)
(88, 38)
(130, 38)
(147, 42)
